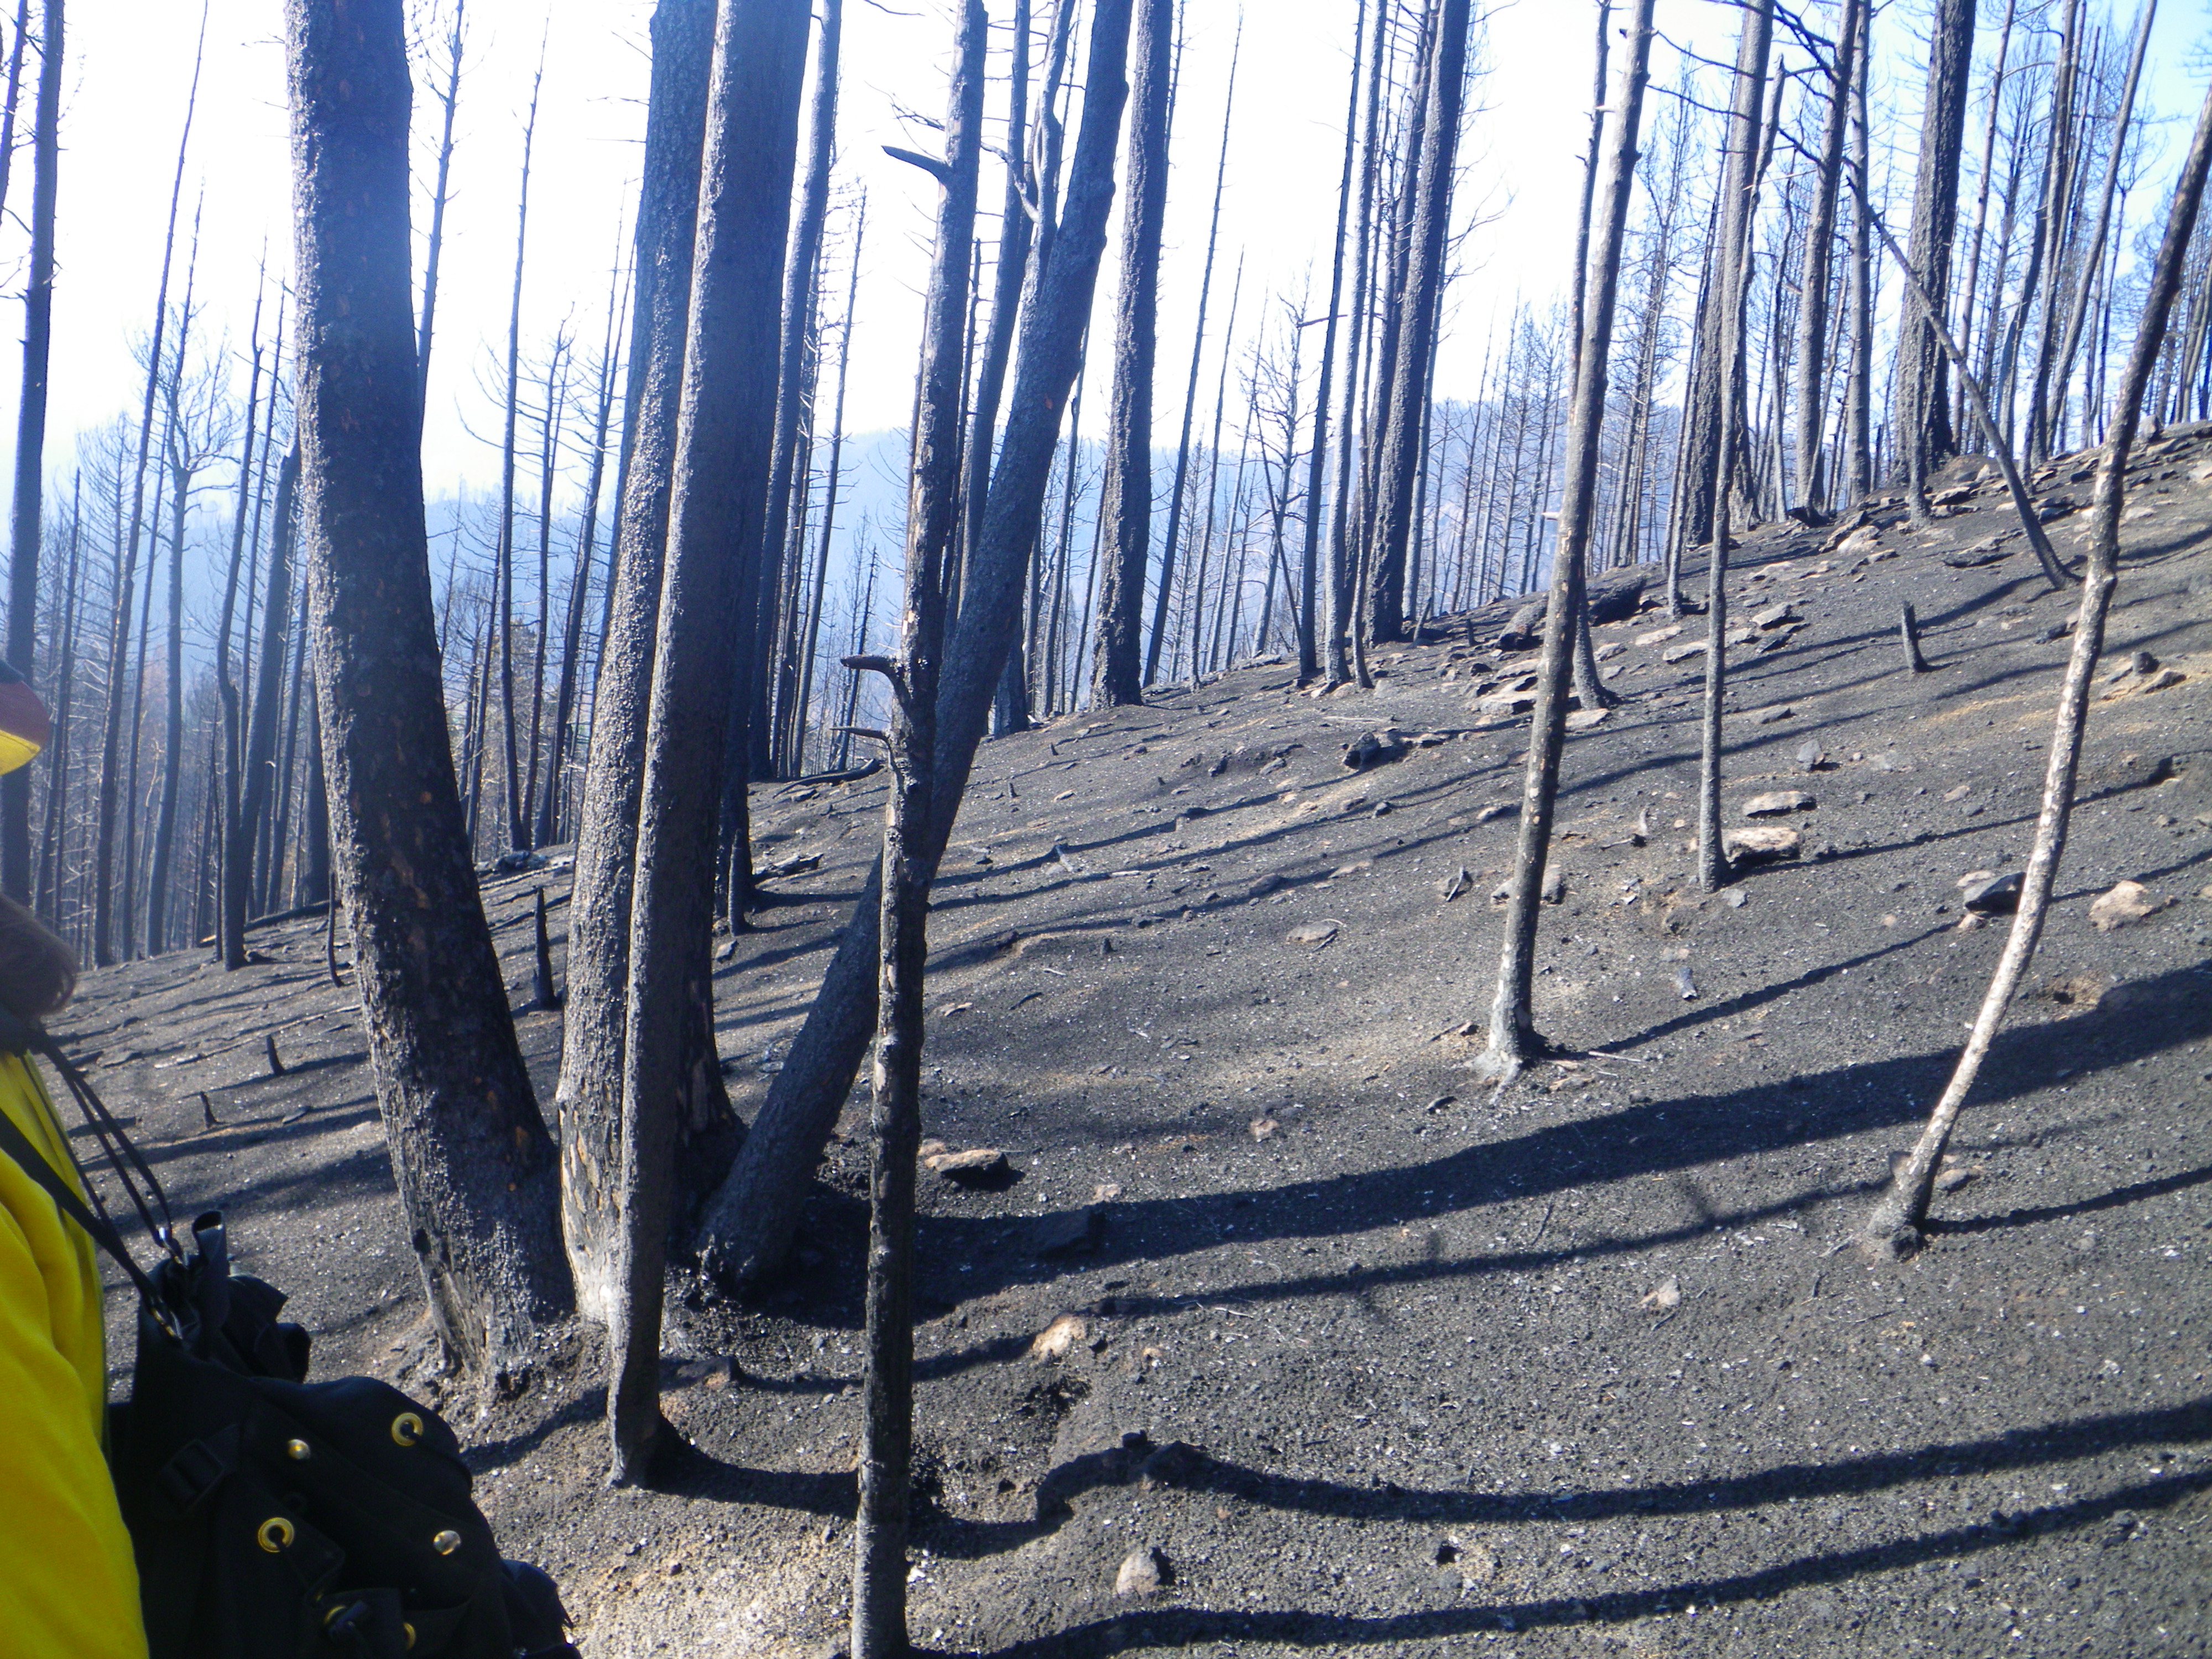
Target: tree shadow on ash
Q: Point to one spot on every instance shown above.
(1165, 1627)
(1652, 1138)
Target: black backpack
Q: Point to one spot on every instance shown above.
(273, 1518)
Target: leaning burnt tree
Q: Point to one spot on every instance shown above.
(1126, 504)
(1513, 1040)
(747, 1227)
(474, 1166)
(879, 1535)
(1896, 1221)
(709, 580)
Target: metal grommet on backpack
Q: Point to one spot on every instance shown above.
(273, 1518)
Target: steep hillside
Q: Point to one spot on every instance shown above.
(1375, 1358)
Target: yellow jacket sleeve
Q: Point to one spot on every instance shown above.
(68, 1586)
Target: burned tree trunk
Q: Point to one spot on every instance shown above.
(24, 540)
(879, 1563)
(1925, 434)
(719, 490)
(474, 1169)
(1117, 675)
(589, 1097)
(1896, 1220)
(1513, 1040)
(748, 1226)
(1410, 375)
(1738, 182)
(1812, 491)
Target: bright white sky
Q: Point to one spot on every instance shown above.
(129, 60)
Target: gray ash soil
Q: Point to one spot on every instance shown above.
(1379, 1360)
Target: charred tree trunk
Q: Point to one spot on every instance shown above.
(879, 1536)
(1409, 376)
(1126, 505)
(1738, 182)
(474, 1169)
(1513, 1040)
(1926, 437)
(748, 1225)
(24, 540)
(230, 919)
(1813, 287)
(725, 430)
(588, 1100)
(449, 100)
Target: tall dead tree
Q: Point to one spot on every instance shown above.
(1739, 181)
(518, 822)
(449, 100)
(1926, 436)
(747, 1227)
(879, 1535)
(1117, 675)
(588, 1100)
(794, 402)
(1411, 374)
(1811, 354)
(230, 908)
(1895, 1222)
(24, 525)
(474, 1169)
(709, 581)
(1513, 1040)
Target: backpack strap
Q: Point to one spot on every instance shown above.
(17, 1146)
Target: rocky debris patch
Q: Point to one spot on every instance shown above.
(1762, 844)
(1985, 894)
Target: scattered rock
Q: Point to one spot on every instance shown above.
(1263, 1129)
(1863, 542)
(1776, 615)
(974, 1167)
(1456, 885)
(2057, 630)
(1582, 719)
(1959, 791)
(1980, 553)
(1071, 1232)
(1059, 1339)
(2127, 902)
(1812, 757)
(1667, 1293)
(1609, 650)
(1776, 802)
(1376, 749)
(1760, 845)
(1171, 1464)
(1684, 652)
(1315, 933)
(1773, 716)
(1499, 811)
(1659, 636)
(1737, 898)
(1684, 984)
(1992, 896)
(1143, 1572)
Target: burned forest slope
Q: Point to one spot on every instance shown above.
(1269, 1328)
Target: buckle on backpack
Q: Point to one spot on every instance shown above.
(199, 1468)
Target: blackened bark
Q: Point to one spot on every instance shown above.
(1924, 428)
(718, 494)
(1813, 283)
(748, 1225)
(1126, 505)
(589, 1101)
(1513, 1040)
(879, 1536)
(1415, 341)
(474, 1166)
(24, 537)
